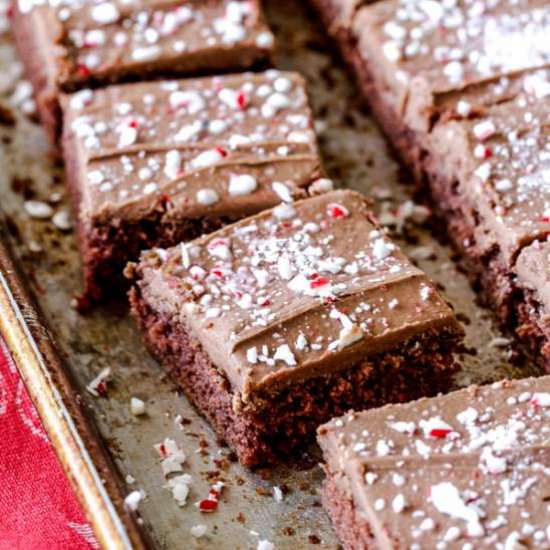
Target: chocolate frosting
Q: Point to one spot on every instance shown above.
(472, 80)
(501, 160)
(306, 288)
(470, 467)
(113, 39)
(223, 146)
(422, 50)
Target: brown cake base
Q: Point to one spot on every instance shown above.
(106, 248)
(283, 421)
(353, 531)
(516, 309)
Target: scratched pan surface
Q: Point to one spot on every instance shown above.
(355, 156)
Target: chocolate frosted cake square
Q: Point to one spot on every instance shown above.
(467, 470)
(68, 46)
(285, 319)
(463, 92)
(153, 164)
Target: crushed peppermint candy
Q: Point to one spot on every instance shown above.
(180, 487)
(98, 386)
(210, 504)
(38, 210)
(172, 457)
(198, 530)
(196, 143)
(133, 499)
(484, 469)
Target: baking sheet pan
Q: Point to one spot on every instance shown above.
(356, 156)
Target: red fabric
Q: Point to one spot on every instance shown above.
(38, 509)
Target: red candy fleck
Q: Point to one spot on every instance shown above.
(101, 389)
(208, 505)
(319, 282)
(165, 200)
(440, 433)
(82, 70)
(242, 100)
(222, 151)
(337, 211)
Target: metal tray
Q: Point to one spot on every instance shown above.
(98, 441)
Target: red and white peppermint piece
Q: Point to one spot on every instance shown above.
(335, 210)
(127, 132)
(484, 130)
(435, 427)
(318, 281)
(540, 399)
(210, 504)
(220, 248)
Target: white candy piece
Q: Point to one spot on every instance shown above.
(62, 220)
(484, 130)
(207, 197)
(180, 487)
(349, 335)
(172, 165)
(243, 184)
(206, 159)
(38, 210)
(137, 406)
(320, 186)
(105, 13)
(284, 353)
(284, 212)
(131, 502)
(198, 530)
(282, 191)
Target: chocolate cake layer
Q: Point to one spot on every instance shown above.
(298, 312)
(68, 46)
(467, 470)
(152, 164)
(467, 106)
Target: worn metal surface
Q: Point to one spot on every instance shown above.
(356, 156)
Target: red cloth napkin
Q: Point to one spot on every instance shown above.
(38, 509)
